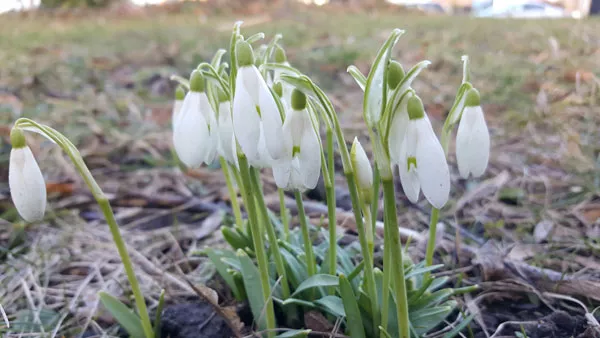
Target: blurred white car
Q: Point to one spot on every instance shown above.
(523, 10)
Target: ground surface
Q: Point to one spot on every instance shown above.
(530, 229)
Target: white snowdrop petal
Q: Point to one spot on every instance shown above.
(250, 78)
(432, 167)
(408, 176)
(296, 176)
(177, 104)
(226, 140)
(480, 140)
(191, 138)
(262, 158)
(310, 155)
(272, 122)
(246, 122)
(281, 174)
(398, 131)
(27, 186)
(463, 150)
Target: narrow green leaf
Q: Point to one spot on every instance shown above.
(125, 316)
(157, 317)
(356, 74)
(281, 67)
(297, 271)
(333, 305)
(426, 319)
(432, 299)
(296, 301)
(353, 316)
(215, 257)
(422, 270)
(253, 288)
(320, 280)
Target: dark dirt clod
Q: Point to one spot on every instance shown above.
(193, 320)
(558, 325)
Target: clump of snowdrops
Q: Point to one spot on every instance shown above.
(256, 112)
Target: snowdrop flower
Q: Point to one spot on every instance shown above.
(179, 96)
(27, 187)
(193, 138)
(301, 167)
(257, 122)
(472, 138)
(363, 170)
(422, 163)
(398, 129)
(226, 145)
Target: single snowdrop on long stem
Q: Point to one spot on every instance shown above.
(257, 122)
(27, 186)
(194, 127)
(472, 138)
(422, 163)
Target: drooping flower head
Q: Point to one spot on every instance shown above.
(422, 163)
(27, 186)
(472, 138)
(194, 128)
(301, 167)
(257, 121)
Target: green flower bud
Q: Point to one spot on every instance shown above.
(17, 139)
(472, 98)
(278, 89)
(415, 108)
(244, 53)
(197, 81)
(395, 74)
(179, 93)
(280, 56)
(298, 100)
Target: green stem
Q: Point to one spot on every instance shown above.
(273, 240)
(259, 247)
(396, 261)
(375, 199)
(122, 249)
(370, 287)
(435, 212)
(308, 245)
(368, 229)
(331, 205)
(387, 276)
(235, 206)
(283, 214)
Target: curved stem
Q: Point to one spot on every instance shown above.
(259, 247)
